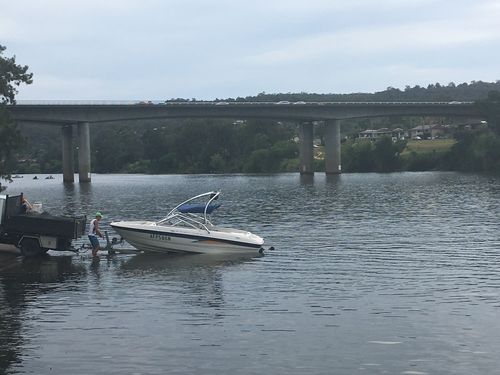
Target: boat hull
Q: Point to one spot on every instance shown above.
(148, 236)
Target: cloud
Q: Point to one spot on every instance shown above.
(369, 41)
(207, 48)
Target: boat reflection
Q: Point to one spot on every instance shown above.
(168, 262)
(197, 280)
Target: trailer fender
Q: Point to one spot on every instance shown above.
(30, 246)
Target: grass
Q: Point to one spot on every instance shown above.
(428, 145)
(423, 146)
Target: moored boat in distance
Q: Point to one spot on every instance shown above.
(187, 229)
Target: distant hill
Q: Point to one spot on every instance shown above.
(434, 92)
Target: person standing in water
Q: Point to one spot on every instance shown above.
(94, 232)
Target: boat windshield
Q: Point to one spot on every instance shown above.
(193, 214)
(187, 220)
(197, 208)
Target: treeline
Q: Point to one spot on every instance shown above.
(184, 146)
(480, 151)
(197, 146)
(384, 155)
(473, 91)
(473, 151)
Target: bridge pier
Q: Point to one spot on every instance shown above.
(83, 152)
(67, 154)
(306, 150)
(332, 147)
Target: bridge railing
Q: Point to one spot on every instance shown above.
(208, 103)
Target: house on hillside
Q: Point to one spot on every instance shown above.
(398, 134)
(472, 126)
(429, 131)
(374, 134)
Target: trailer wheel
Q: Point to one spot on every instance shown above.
(30, 247)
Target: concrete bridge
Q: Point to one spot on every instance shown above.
(66, 114)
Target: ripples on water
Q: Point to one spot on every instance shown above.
(371, 274)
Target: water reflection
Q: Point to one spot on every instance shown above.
(333, 178)
(69, 206)
(21, 282)
(86, 198)
(307, 179)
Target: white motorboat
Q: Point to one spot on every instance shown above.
(187, 229)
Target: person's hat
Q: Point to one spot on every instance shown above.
(98, 214)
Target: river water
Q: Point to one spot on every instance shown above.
(371, 274)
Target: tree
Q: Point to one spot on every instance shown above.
(490, 108)
(10, 139)
(357, 156)
(11, 76)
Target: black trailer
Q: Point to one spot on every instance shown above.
(36, 233)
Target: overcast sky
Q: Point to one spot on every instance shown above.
(152, 49)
